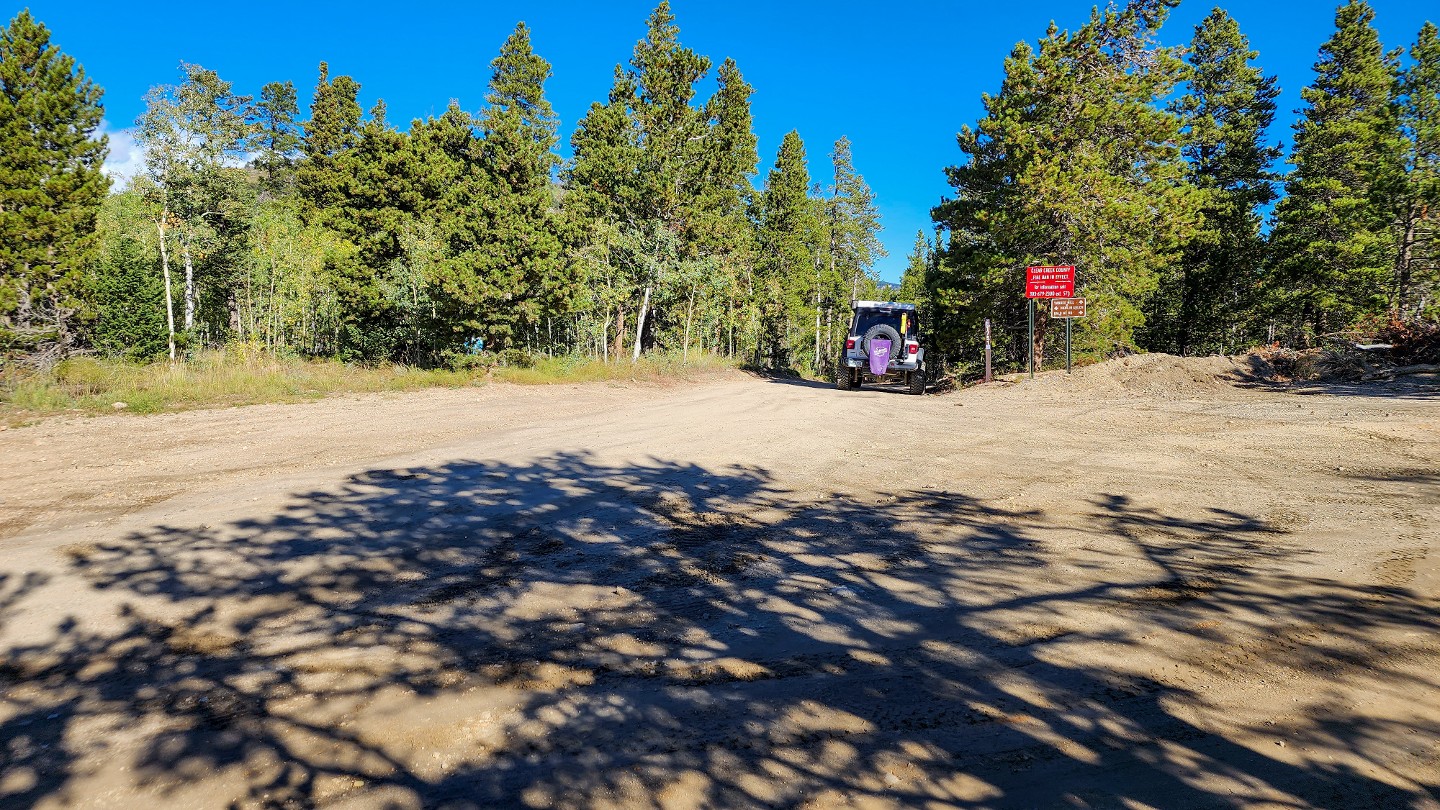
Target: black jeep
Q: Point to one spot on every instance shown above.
(884, 340)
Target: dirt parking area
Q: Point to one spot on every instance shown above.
(1153, 584)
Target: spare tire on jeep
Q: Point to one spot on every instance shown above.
(883, 331)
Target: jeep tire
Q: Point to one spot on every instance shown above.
(915, 381)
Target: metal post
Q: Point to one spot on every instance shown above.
(1067, 344)
(988, 378)
(1032, 338)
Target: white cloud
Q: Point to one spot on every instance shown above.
(126, 158)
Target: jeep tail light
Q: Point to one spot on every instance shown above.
(849, 343)
(914, 348)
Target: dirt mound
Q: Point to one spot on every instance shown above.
(1163, 375)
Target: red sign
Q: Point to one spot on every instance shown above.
(1050, 281)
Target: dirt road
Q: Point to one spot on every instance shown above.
(1153, 584)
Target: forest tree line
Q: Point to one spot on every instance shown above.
(1148, 166)
(344, 236)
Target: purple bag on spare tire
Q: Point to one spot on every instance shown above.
(879, 355)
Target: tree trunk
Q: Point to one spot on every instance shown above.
(1187, 312)
(1406, 258)
(829, 333)
(169, 296)
(689, 317)
(640, 324)
(815, 364)
(189, 285)
(619, 332)
(270, 320)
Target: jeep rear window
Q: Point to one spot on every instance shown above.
(868, 318)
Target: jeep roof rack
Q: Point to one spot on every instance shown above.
(882, 305)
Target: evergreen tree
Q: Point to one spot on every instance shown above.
(51, 187)
(722, 232)
(602, 184)
(126, 294)
(276, 136)
(1073, 163)
(333, 128)
(913, 286)
(1417, 276)
(509, 271)
(785, 268)
(391, 182)
(728, 159)
(1201, 305)
(1333, 246)
(854, 222)
(603, 176)
(664, 74)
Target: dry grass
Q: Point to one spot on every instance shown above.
(650, 368)
(242, 377)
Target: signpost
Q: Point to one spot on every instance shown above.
(1047, 281)
(987, 350)
(1067, 308)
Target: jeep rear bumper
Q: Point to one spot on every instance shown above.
(854, 358)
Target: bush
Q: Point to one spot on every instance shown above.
(1413, 342)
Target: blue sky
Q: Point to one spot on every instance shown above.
(898, 79)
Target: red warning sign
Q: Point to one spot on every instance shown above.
(1050, 281)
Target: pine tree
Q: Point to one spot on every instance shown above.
(1201, 305)
(664, 74)
(333, 128)
(1073, 163)
(511, 271)
(728, 162)
(1417, 272)
(1333, 247)
(51, 187)
(786, 264)
(390, 180)
(126, 295)
(602, 186)
(722, 231)
(854, 221)
(276, 136)
(913, 286)
(603, 176)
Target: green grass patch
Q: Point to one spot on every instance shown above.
(241, 376)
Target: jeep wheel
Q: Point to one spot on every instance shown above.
(915, 381)
(844, 378)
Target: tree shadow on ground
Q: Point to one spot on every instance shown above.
(1261, 377)
(1401, 388)
(570, 633)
